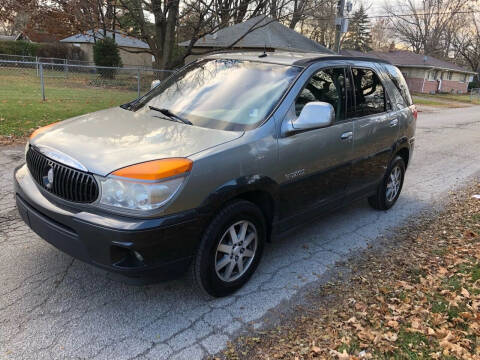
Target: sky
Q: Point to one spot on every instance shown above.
(375, 6)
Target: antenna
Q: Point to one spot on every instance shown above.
(264, 51)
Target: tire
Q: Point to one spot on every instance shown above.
(384, 199)
(217, 249)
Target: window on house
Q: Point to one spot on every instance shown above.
(450, 74)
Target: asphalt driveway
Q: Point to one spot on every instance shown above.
(54, 307)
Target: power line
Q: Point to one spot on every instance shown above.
(424, 14)
(332, 17)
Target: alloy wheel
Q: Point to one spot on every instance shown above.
(393, 184)
(236, 251)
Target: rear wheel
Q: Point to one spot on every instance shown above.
(230, 249)
(389, 189)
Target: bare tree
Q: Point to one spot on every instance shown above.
(15, 15)
(161, 35)
(466, 42)
(65, 17)
(164, 23)
(298, 12)
(381, 35)
(319, 24)
(425, 25)
(194, 19)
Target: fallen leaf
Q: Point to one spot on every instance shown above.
(465, 293)
(391, 336)
(393, 324)
(341, 355)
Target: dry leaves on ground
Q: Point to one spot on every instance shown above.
(418, 298)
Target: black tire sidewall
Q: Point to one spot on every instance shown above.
(397, 161)
(232, 213)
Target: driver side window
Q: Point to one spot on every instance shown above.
(326, 85)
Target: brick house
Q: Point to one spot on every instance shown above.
(424, 74)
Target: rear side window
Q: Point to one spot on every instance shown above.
(400, 85)
(369, 93)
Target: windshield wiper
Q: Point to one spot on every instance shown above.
(171, 115)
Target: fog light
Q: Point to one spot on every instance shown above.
(138, 256)
(126, 258)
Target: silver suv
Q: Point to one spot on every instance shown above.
(216, 160)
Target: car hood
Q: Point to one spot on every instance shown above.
(107, 140)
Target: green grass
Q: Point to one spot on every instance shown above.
(22, 109)
(427, 101)
(442, 100)
(409, 340)
(465, 98)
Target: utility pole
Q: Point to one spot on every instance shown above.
(339, 21)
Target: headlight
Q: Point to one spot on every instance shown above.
(145, 186)
(138, 195)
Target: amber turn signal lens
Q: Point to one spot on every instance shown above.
(155, 170)
(41, 130)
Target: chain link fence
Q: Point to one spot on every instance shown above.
(24, 80)
(49, 60)
(475, 95)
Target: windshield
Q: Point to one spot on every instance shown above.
(223, 94)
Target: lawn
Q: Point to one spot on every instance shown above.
(22, 109)
(460, 98)
(445, 100)
(418, 100)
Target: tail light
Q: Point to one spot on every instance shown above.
(413, 108)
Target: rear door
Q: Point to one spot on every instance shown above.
(375, 129)
(316, 163)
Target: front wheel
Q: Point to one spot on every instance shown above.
(230, 249)
(389, 189)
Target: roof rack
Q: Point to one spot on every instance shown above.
(308, 61)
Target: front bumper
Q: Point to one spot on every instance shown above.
(158, 247)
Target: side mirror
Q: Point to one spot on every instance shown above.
(154, 84)
(314, 115)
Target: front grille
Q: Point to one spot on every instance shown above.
(67, 183)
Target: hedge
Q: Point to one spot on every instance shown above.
(48, 50)
(19, 47)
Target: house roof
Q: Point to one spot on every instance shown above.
(409, 59)
(11, 37)
(120, 39)
(261, 32)
(37, 36)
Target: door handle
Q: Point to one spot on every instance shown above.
(393, 122)
(347, 135)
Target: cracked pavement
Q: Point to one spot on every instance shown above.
(55, 307)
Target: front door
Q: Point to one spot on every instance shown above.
(375, 130)
(316, 163)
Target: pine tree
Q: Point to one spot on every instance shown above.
(106, 53)
(358, 36)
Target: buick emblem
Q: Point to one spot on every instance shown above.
(48, 180)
